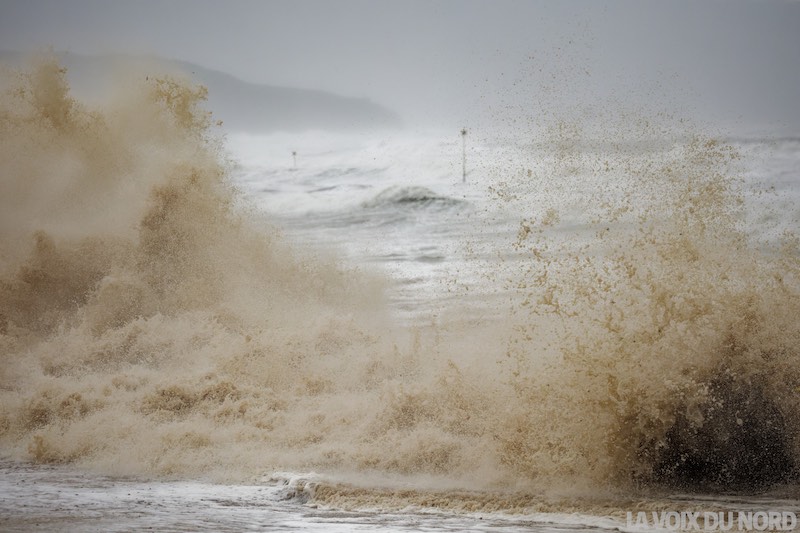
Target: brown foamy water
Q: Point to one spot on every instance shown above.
(152, 325)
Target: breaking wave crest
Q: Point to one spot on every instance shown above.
(410, 196)
(150, 325)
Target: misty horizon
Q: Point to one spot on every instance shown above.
(449, 64)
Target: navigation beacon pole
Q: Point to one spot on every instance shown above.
(463, 155)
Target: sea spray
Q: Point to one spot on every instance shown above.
(144, 315)
(673, 336)
(151, 325)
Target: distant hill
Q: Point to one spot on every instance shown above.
(242, 106)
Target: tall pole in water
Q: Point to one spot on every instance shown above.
(294, 159)
(463, 155)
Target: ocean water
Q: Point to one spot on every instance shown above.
(207, 332)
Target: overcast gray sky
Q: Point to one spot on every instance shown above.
(450, 60)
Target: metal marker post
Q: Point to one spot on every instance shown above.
(464, 155)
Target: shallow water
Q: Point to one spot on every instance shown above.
(46, 498)
(41, 498)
